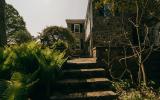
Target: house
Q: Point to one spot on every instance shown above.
(97, 30)
(76, 26)
(102, 29)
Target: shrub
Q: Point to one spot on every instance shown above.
(128, 91)
(17, 87)
(60, 45)
(29, 64)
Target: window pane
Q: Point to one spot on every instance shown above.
(77, 28)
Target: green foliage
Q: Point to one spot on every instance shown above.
(14, 21)
(127, 91)
(17, 87)
(60, 45)
(20, 37)
(15, 26)
(26, 65)
(52, 34)
(122, 85)
(143, 94)
(148, 8)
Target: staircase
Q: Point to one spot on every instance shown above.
(83, 81)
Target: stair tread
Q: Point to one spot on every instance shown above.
(82, 60)
(81, 66)
(83, 80)
(89, 80)
(84, 70)
(85, 95)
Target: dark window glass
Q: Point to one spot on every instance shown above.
(77, 28)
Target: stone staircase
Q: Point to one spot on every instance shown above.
(83, 81)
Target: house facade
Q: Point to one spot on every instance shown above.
(102, 29)
(76, 26)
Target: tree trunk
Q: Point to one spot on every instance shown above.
(3, 39)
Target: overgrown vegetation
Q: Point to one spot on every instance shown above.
(129, 63)
(25, 67)
(127, 91)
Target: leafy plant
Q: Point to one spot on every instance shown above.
(60, 45)
(127, 91)
(52, 34)
(26, 65)
(17, 87)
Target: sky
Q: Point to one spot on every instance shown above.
(39, 14)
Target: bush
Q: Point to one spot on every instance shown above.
(60, 45)
(28, 64)
(127, 91)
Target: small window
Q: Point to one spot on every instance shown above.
(76, 28)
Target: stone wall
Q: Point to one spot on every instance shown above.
(110, 30)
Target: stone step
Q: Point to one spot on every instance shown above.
(83, 85)
(96, 95)
(78, 81)
(83, 73)
(81, 66)
(67, 90)
(83, 79)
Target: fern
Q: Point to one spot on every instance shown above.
(28, 64)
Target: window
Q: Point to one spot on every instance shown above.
(76, 28)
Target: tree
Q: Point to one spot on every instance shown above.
(3, 40)
(20, 37)
(141, 14)
(16, 26)
(144, 47)
(52, 34)
(14, 22)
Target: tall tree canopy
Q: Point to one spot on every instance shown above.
(52, 34)
(146, 7)
(3, 40)
(16, 26)
(14, 21)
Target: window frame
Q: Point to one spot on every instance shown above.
(78, 29)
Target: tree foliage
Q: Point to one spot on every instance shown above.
(14, 21)
(15, 26)
(52, 34)
(20, 36)
(146, 7)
